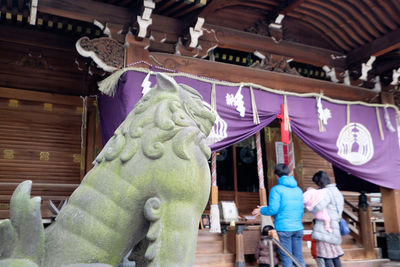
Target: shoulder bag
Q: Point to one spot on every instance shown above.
(343, 226)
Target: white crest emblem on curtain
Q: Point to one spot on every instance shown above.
(220, 129)
(355, 144)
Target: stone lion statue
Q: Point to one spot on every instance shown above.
(147, 191)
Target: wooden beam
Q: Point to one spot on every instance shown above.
(86, 10)
(89, 10)
(376, 48)
(250, 42)
(283, 8)
(212, 6)
(273, 80)
(39, 96)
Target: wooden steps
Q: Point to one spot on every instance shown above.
(353, 255)
(215, 260)
(360, 263)
(210, 251)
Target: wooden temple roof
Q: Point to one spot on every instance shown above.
(341, 34)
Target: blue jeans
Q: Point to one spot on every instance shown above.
(292, 241)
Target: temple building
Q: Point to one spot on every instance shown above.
(313, 84)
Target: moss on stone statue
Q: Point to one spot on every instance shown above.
(150, 184)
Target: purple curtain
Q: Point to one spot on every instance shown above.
(355, 147)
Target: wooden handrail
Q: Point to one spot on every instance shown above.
(349, 214)
(351, 205)
(360, 220)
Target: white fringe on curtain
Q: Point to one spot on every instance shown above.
(214, 219)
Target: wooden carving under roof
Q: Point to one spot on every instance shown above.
(275, 63)
(312, 31)
(106, 52)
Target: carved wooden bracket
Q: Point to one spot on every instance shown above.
(207, 42)
(144, 21)
(107, 53)
(33, 11)
(275, 63)
(275, 29)
(195, 33)
(137, 50)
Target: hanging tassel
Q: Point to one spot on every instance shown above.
(378, 117)
(256, 119)
(348, 114)
(388, 122)
(84, 117)
(398, 125)
(321, 126)
(286, 115)
(108, 86)
(213, 97)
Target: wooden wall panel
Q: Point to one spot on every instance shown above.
(311, 163)
(39, 141)
(42, 61)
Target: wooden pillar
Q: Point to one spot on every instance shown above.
(263, 197)
(240, 261)
(391, 215)
(391, 207)
(235, 177)
(366, 233)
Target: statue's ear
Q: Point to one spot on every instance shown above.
(167, 83)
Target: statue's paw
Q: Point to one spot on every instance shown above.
(7, 239)
(17, 263)
(153, 212)
(26, 221)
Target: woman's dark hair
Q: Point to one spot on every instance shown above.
(266, 229)
(321, 179)
(281, 169)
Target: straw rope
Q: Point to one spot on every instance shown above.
(348, 114)
(108, 86)
(256, 86)
(378, 118)
(256, 119)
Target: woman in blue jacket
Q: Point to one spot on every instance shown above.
(286, 205)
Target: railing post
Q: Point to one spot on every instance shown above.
(366, 233)
(224, 233)
(240, 261)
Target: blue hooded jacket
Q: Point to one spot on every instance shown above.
(285, 202)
